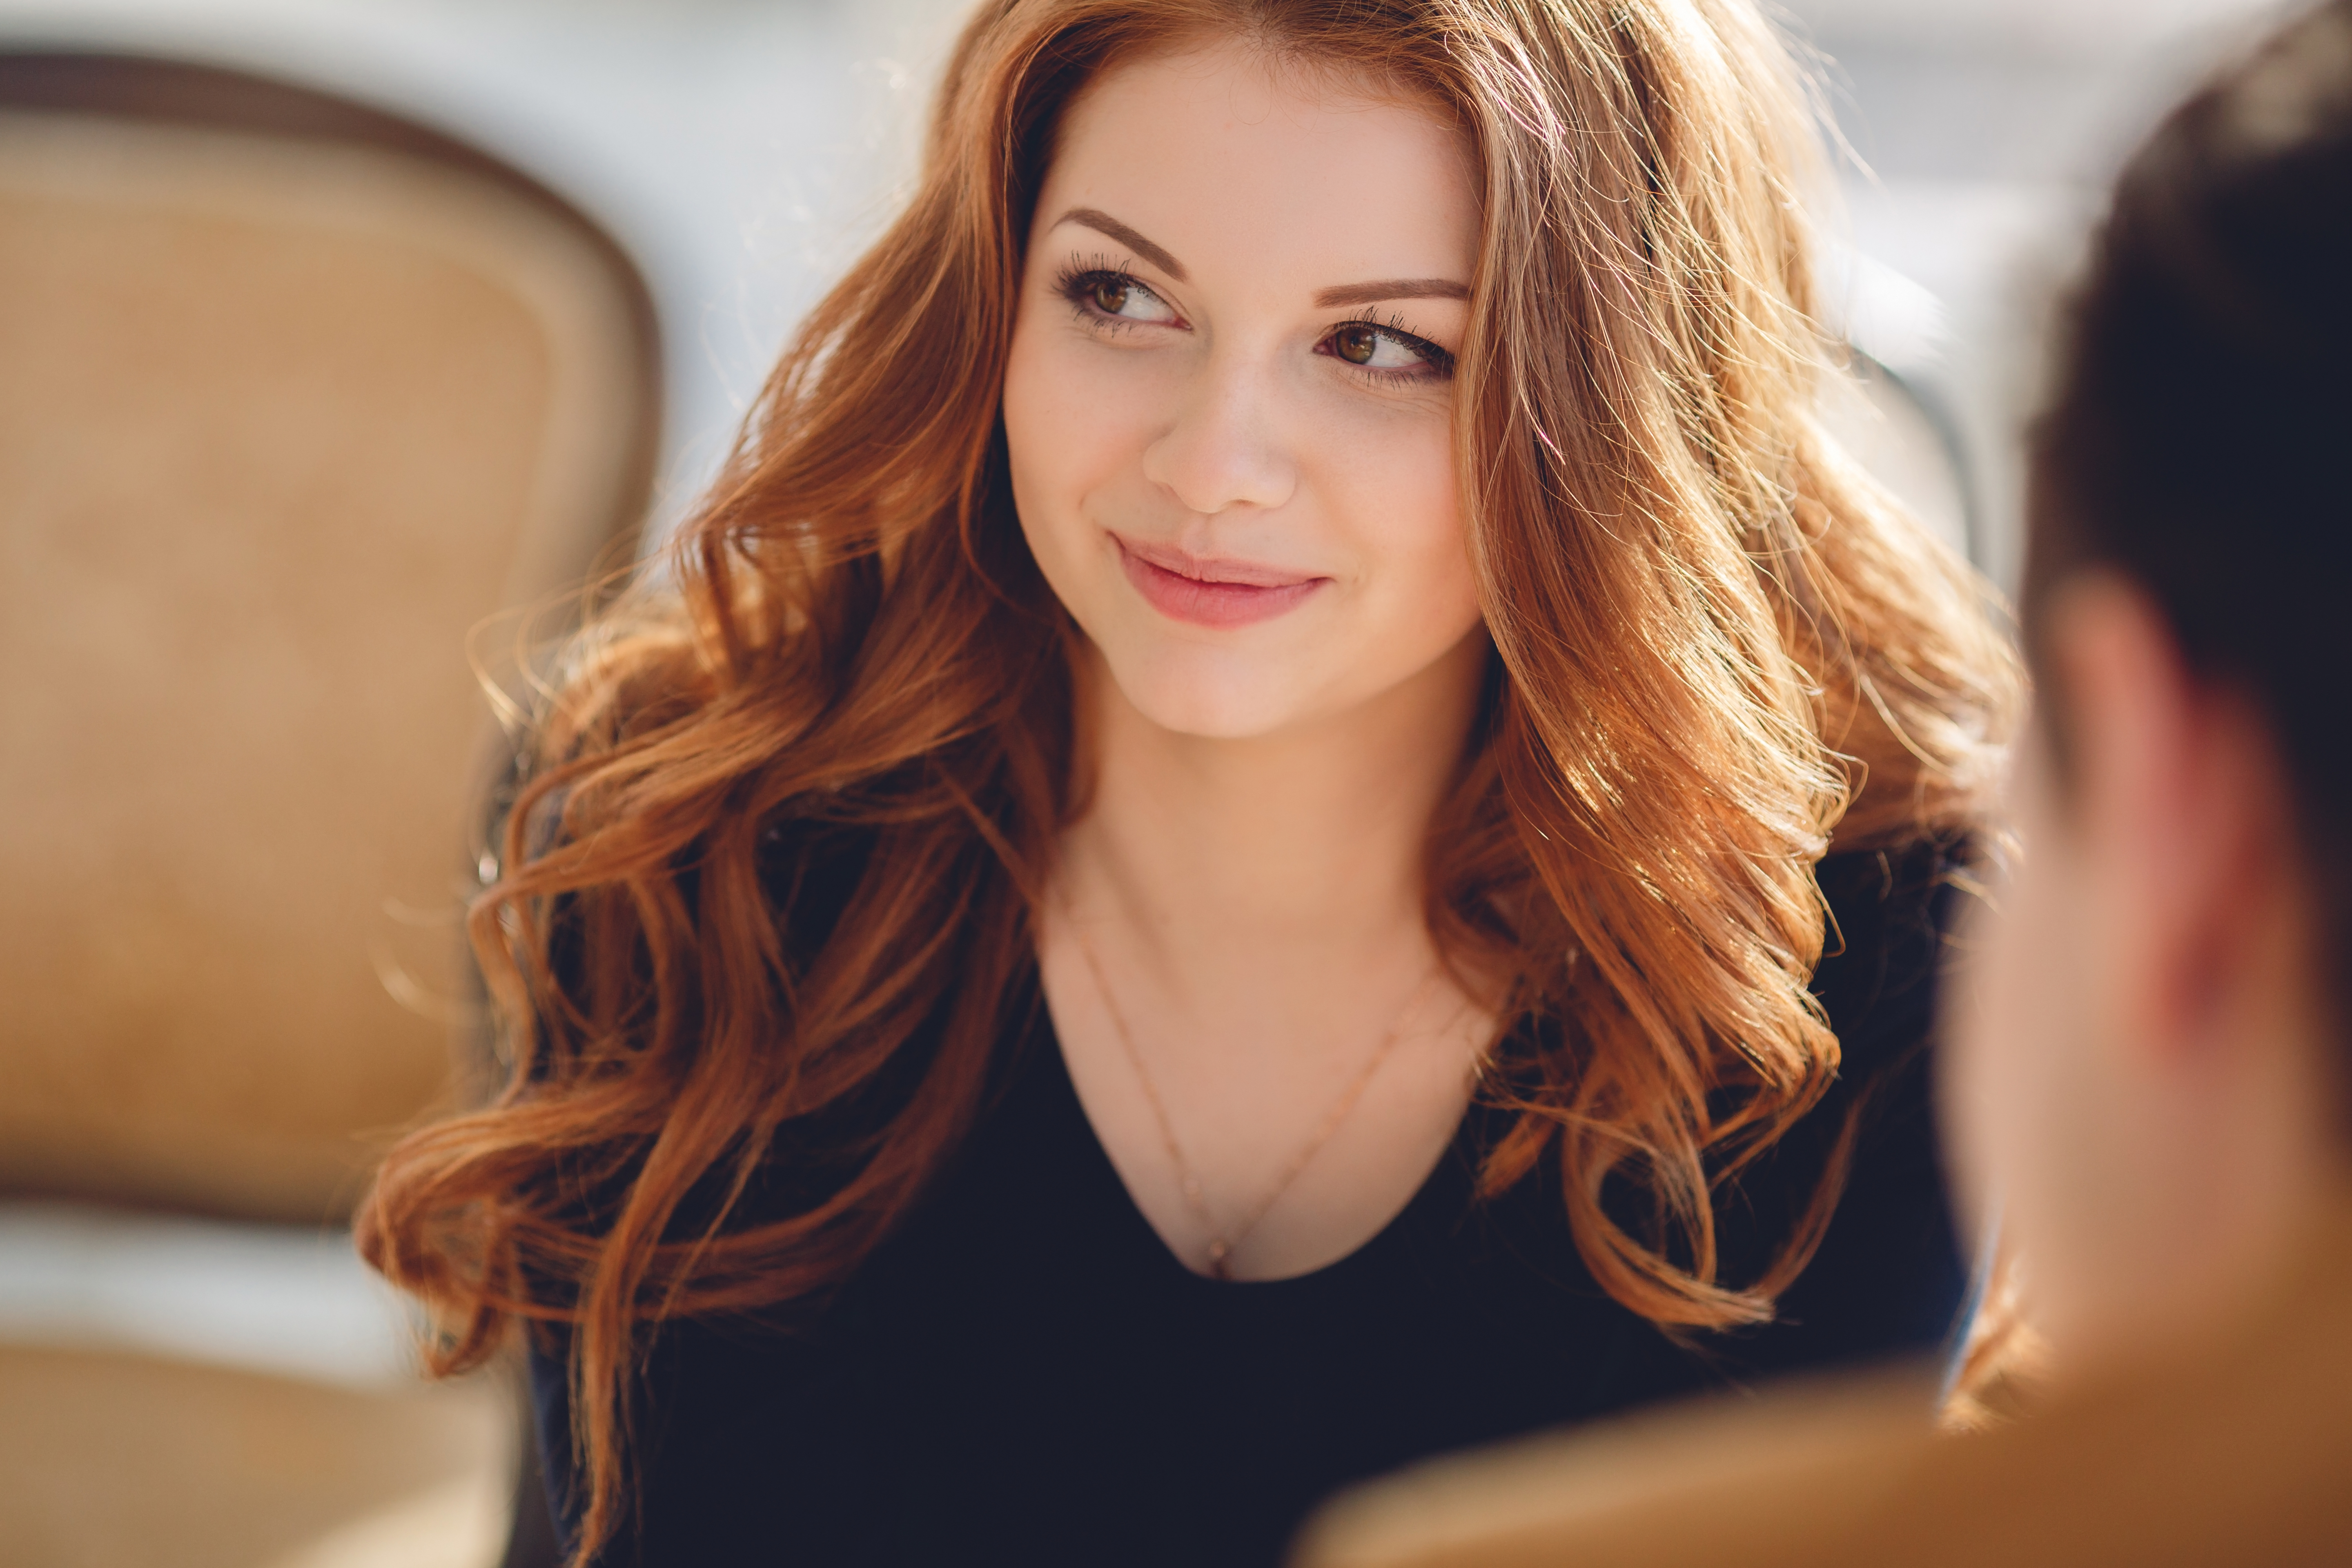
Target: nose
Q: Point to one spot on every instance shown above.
(1224, 448)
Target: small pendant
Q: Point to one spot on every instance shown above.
(1218, 1252)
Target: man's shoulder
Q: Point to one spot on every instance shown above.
(2237, 1453)
(1702, 1482)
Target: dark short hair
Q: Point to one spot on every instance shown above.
(2199, 441)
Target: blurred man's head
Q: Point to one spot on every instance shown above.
(2150, 1080)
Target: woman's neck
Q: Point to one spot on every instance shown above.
(1213, 854)
(1238, 935)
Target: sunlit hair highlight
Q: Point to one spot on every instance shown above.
(1716, 644)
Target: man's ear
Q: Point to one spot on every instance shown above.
(2174, 799)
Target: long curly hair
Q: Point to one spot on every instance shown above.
(1715, 643)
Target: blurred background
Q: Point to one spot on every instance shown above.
(330, 331)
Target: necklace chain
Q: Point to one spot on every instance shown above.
(1224, 1241)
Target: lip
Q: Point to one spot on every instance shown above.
(1205, 591)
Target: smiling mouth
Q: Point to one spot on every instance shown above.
(1212, 592)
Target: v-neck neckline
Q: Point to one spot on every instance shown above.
(1447, 1176)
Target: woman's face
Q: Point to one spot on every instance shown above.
(1229, 400)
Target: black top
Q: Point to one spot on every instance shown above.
(1025, 1373)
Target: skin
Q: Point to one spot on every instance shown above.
(1248, 875)
(2139, 1078)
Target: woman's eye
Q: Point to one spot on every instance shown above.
(1375, 348)
(1125, 299)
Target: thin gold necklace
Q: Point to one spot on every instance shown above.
(1223, 1243)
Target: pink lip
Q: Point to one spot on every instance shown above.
(1207, 592)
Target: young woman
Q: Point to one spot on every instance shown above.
(1208, 874)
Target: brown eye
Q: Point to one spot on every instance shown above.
(1109, 295)
(1357, 345)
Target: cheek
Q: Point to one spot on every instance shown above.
(1071, 420)
(1072, 425)
(2014, 1027)
(1396, 482)
(1038, 413)
(1978, 1092)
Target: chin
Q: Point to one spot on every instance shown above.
(1209, 693)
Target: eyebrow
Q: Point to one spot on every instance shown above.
(1102, 222)
(1392, 289)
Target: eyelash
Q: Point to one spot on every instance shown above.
(1436, 364)
(1081, 276)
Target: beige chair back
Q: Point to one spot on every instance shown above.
(294, 396)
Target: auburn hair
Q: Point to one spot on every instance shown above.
(1710, 631)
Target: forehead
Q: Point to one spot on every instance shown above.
(1244, 157)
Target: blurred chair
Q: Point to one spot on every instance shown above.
(1892, 424)
(294, 396)
(1892, 410)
